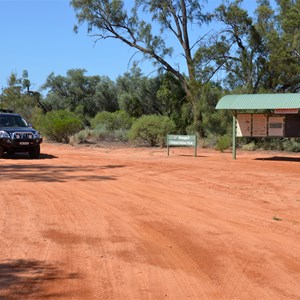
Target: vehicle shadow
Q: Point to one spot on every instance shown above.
(30, 279)
(280, 158)
(56, 173)
(190, 155)
(26, 156)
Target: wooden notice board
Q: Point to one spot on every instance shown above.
(292, 126)
(259, 125)
(276, 126)
(243, 125)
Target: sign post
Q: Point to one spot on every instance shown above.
(182, 140)
(234, 137)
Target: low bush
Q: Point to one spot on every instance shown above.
(249, 147)
(81, 137)
(59, 125)
(99, 134)
(112, 121)
(208, 142)
(223, 143)
(291, 145)
(151, 129)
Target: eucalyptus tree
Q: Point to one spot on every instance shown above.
(161, 95)
(111, 19)
(74, 90)
(258, 53)
(284, 44)
(12, 93)
(78, 92)
(172, 102)
(19, 95)
(237, 51)
(106, 96)
(137, 93)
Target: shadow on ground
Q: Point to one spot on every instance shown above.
(48, 173)
(26, 156)
(279, 158)
(30, 279)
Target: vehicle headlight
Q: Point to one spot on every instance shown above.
(4, 135)
(36, 135)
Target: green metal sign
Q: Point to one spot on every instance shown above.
(182, 140)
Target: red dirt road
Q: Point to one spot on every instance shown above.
(95, 223)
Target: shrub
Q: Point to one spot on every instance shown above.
(112, 121)
(121, 135)
(291, 145)
(151, 129)
(80, 137)
(59, 125)
(99, 134)
(270, 143)
(249, 147)
(209, 142)
(223, 143)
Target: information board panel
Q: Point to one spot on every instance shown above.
(292, 126)
(276, 125)
(243, 125)
(259, 125)
(182, 140)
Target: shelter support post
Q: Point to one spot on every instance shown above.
(234, 136)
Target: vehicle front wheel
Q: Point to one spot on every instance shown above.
(35, 152)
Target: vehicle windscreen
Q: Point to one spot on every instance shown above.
(12, 121)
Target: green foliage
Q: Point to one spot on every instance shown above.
(214, 122)
(172, 102)
(84, 95)
(99, 134)
(18, 96)
(252, 54)
(36, 118)
(209, 142)
(223, 143)
(249, 147)
(271, 144)
(119, 120)
(137, 93)
(106, 96)
(60, 125)
(81, 137)
(291, 145)
(110, 19)
(259, 53)
(151, 129)
(279, 144)
(284, 47)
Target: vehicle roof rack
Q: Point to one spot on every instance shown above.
(6, 110)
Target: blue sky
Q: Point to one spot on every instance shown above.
(37, 36)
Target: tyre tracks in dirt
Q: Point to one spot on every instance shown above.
(135, 224)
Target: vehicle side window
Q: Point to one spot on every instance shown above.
(12, 121)
(21, 122)
(4, 121)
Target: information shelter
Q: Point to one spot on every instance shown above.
(263, 115)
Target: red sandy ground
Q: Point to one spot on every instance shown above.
(133, 223)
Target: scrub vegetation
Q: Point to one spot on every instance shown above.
(247, 54)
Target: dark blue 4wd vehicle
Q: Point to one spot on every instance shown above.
(17, 136)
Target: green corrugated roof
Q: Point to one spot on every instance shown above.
(259, 101)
